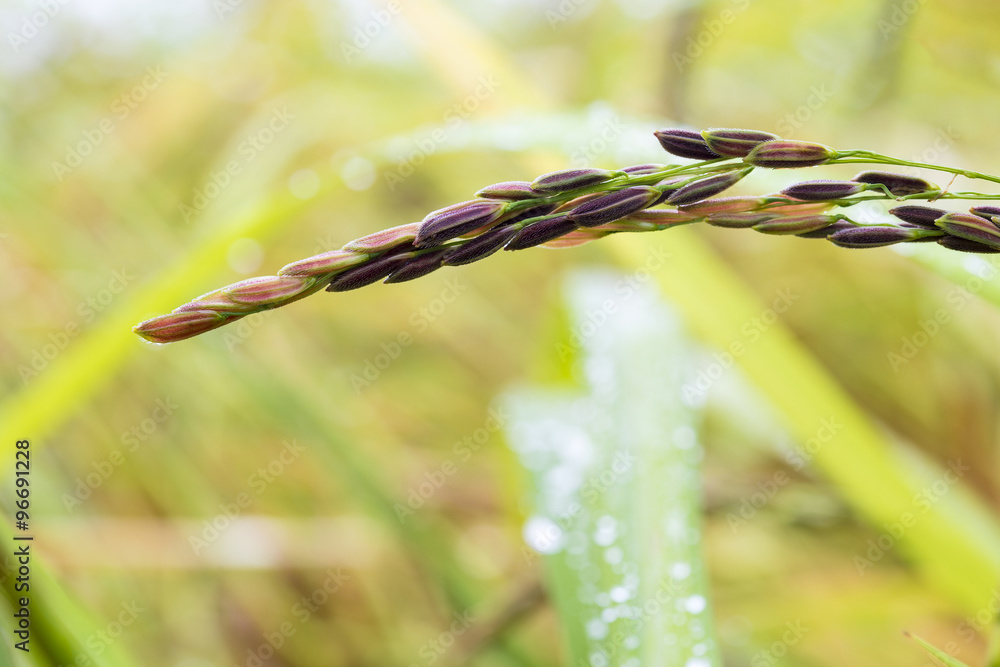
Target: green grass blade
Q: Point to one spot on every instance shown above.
(617, 486)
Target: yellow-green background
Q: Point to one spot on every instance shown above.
(478, 93)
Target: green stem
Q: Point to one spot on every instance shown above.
(868, 157)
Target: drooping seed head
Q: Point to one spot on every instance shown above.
(740, 220)
(922, 216)
(685, 143)
(541, 232)
(368, 273)
(707, 187)
(447, 223)
(971, 227)
(965, 245)
(899, 185)
(991, 213)
(643, 169)
(509, 190)
(323, 264)
(179, 325)
(267, 290)
(823, 190)
(385, 239)
(877, 236)
(418, 266)
(795, 224)
(614, 205)
(730, 142)
(788, 154)
(570, 179)
(723, 205)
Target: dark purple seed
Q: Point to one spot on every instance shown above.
(510, 190)
(874, 237)
(480, 247)
(923, 216)
(419, 266)
(899, 185)
(613, 206)
(787, 154)
(735, 143)
(643, 169)
(447, 223)
(795, 224)
(705, 188)
(685, 143)
(367, 273)
(972, 227)
(826, 231)
(822, 190)
(988, 212)
(541, 232)
(966, 245)
(739, 220)
(570, 179)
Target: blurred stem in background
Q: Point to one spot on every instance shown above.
(616, 482)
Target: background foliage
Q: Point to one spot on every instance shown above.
(153, 152)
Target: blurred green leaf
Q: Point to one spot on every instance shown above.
(617, 484)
